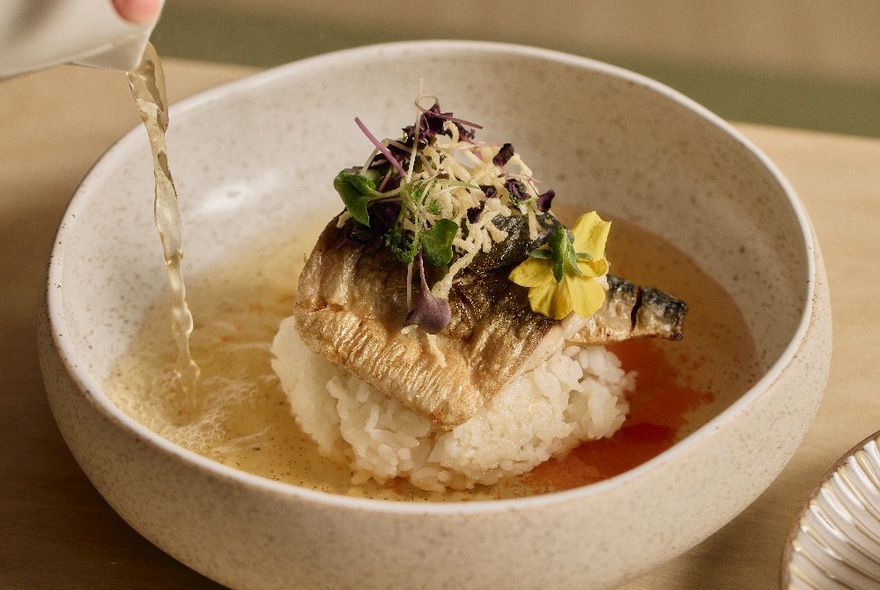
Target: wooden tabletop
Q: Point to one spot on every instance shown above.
(57, 532)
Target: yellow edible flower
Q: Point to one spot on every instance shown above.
(579, 288)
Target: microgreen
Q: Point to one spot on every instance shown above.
(431, 313)
(503, 156)
(402, 244)
(544, 200)
(357, 189)
(411, 232)
(437, 242)
(518, 192)
(420, 195)
(380, 146)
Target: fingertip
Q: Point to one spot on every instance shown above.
(137, 11)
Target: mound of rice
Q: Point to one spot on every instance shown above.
(578, 394)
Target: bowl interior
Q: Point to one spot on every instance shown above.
(256, 158)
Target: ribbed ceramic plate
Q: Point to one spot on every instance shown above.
(835, 542)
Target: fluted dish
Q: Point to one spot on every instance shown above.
(835, 540)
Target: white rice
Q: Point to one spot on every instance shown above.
(578, 394)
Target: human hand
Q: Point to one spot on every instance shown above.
(137, 11)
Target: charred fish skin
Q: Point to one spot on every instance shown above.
(518, 244)
(633, 311)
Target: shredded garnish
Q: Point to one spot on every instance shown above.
(435, 350)
(434, 195)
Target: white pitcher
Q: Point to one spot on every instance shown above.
(36, 34)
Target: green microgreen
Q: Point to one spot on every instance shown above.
(437, 242)
(357, 189)
(561, 253)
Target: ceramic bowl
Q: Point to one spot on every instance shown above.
(251, 156)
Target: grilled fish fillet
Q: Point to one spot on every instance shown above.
(351, 309)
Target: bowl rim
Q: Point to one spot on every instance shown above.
(93, 388)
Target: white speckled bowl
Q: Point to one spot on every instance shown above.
(643, 151)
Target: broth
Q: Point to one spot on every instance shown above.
(247, 423)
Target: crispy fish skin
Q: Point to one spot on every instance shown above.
(351, 309)
(632, 311)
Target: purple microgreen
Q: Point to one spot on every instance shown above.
(432, 120)
(380, 146)
(545, 200)
(473, 214)
(503, 156)
(518, 191)
(431, 313)
(490, 192)
(462, 122)
(384, 214)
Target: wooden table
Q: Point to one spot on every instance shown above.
(57, 532)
